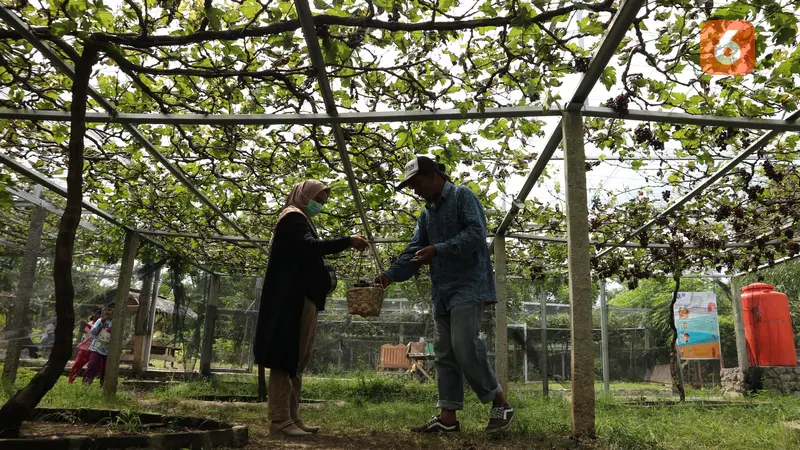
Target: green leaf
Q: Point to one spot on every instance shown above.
(609, 77)
(215, 16)
(63, 27)
(105, 17)
(250, 8)
(636, 164)
(677, 98)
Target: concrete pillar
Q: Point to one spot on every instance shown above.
(208, 329)
(140, 331)
(151, 320)
(738, 324)
(604, 335)
(543, 363)
(580, 281)
(501, 312)
(118, 322)
(17, 325)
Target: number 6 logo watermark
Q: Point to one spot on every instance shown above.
(727, 47)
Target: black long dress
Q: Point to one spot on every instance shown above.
(295, 271)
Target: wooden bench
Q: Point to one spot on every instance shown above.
(164, 353)
(393, 357)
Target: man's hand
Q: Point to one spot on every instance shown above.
(382, 280)
(359, 243)
(425, 255)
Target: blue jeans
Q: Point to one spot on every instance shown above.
(461, 353)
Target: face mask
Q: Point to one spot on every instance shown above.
(313, 208)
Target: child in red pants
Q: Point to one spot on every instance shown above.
(83, 348)
(101, 336)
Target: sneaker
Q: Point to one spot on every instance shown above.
(500, 418)
(435, 425)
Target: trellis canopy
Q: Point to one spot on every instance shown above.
(203, 115)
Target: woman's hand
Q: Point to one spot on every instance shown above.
(359, 243)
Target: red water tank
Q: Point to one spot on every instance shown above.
(768, 326)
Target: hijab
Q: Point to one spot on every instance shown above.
(299, 197)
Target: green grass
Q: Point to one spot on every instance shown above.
(65, 395)
(378, 409)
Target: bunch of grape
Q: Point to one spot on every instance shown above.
(666, 195)
(769, 171)
(642, 134)
(355, 39)
(725, 136)
(754, 192)
(363, 283)
(594, 223)
(739, 212)
(581, 64)
(793, 248)
(723, 212)
(619, 104)
(662, 221)
(789, 234)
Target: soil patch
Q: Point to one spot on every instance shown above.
(55, 428)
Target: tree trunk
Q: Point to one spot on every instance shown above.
(18, 319)
(20, 406)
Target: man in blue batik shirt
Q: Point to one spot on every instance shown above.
(451, 237)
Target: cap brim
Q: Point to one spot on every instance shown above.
(405, 182)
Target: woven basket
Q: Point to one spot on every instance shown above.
(365, 301)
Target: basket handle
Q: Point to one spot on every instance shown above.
(359, 264)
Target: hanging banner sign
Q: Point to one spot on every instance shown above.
(698, 325)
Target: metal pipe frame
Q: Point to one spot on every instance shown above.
(777, 262)
(616, 32)
(716, 176)
(50, 185)
(508, 112)
(314, 51)
(33, 200)
(518, 236)
(8, 16)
